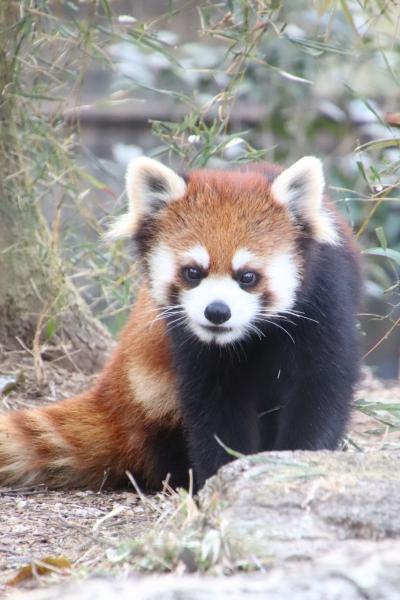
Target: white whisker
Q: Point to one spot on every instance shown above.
(166, 312)
(256, 330)
(169, 314)
(298, 315)
(263, 315)
(178, 320)
(282, 328)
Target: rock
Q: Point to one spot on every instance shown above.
(376, 578)
(8, 382)
(285, 506)
(311, 526)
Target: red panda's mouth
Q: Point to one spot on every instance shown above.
(217, 328)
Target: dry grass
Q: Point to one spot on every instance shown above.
(79, 525)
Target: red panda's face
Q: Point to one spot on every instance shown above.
(221, 249)
(225, 253)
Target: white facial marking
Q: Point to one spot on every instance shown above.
(200, 256)
(162, 269)
(283, 281)
(241, 258)
(243, 307)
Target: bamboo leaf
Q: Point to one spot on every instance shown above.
(380, 234)
(349, 16)
(388, 253)
(379, 144)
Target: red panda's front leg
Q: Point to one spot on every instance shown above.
(216, 412)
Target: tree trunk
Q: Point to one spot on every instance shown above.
(39, 306)
(37, 300)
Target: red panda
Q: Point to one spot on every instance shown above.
(243, 335)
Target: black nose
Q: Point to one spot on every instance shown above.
(217, 312)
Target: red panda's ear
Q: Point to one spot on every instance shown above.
(301, 189)
(150, 185)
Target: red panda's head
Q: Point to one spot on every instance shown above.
(221, 248)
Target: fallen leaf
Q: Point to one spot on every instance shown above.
(49, 564)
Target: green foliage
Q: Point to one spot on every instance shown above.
(385, 413)
(319, 76)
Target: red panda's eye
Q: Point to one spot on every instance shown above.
(248, 279)
(192, 274)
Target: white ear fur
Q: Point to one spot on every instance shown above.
(301, 188)
(149, 185)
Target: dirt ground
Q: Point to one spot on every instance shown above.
(84, 526)
(79, 525)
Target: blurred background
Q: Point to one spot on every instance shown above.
(95, 83)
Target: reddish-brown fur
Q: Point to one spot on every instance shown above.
(239, 211)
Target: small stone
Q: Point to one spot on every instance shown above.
(8, 382)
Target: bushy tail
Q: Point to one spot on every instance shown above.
(72, 443)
